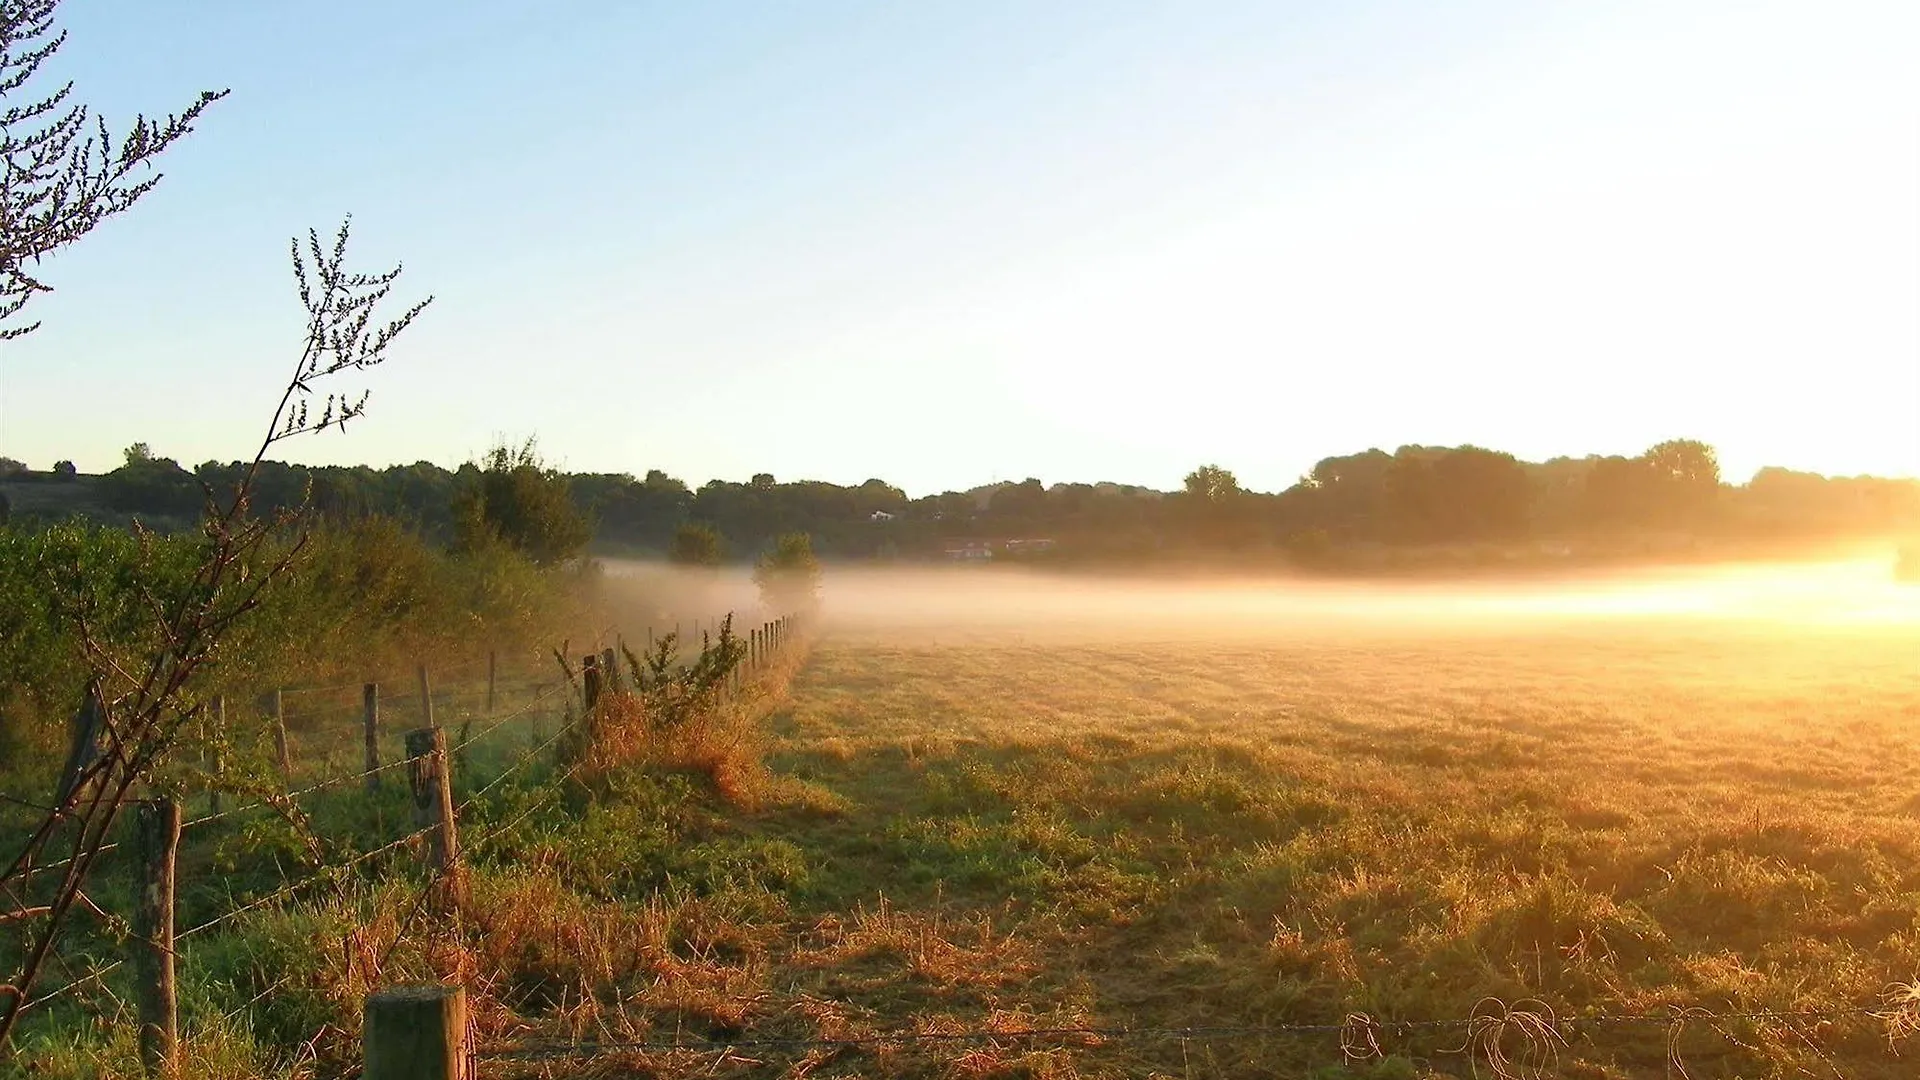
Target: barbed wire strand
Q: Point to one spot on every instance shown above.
(92, 976)
(348, 778)
(294, 886)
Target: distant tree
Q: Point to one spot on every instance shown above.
(789, 575)
(763, 481)
(695, 544)
(1687, 475)
(10, 467)
(65, 470)
(138, 454)
(1212, 484)
(1347, 495)
(1026, 499)
(1618, 491)
(516, 500)
(1687, 462)
(153, 485)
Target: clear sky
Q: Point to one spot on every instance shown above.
(942, 243)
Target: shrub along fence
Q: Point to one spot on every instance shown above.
(311, 734)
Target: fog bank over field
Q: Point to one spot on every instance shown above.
(1856, 592)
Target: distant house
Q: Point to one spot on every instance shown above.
(880, 515)
(968, 550)
(1027, 547)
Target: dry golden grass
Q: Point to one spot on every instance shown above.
(1624, 816)
(1523, 829)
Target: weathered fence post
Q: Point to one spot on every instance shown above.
(279, 707)
(156, 839)
(84, 748)
(609, 672)
(493, 667)
(432, 783)
(218, 765)
(426, 698)
(370, 702)
(590, 680)
(537, 719)
(415, 1033)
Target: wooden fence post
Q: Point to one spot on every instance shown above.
(84, 747)
(493, 667)
(415, 1033)
(590, 680)
(218, 766)
(537, 720)
(279, 707)
(609, 672)
(432, 783)
(370, 702)
(156, 839)
(426, 698)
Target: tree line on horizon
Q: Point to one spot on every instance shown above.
(1414, 496)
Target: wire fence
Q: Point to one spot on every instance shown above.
(1520, 1040)
(468, 694)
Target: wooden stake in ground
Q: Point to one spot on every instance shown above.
(277, 704)
(432, 782)
(426, 698)
(370, 703)
(590, 682)
(493, 667)
(218, 766)
(156, 839)
(609, 672)
(416, 1033)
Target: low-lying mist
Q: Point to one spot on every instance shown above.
(1857, 592)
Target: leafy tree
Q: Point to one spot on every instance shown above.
(1212, 484)
(1687, 462)
(789, 575)
(516, 500)
(151, 485)
(65, 470)
(138, 454)
(1617, 491)
(695, 544)
(1687, 474)
(10, 467)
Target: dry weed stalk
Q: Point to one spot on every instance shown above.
(139, 697)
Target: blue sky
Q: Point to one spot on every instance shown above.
(944, 243)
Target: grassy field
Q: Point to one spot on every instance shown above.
(1628, 816)
(1166, 810)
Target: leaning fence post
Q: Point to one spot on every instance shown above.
(218, 765)
(493, 667)
(84, 748)
(156, 839)
(278, 706)
(432, 784)
(370, 701)
(415, 1033)
(426, 698)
